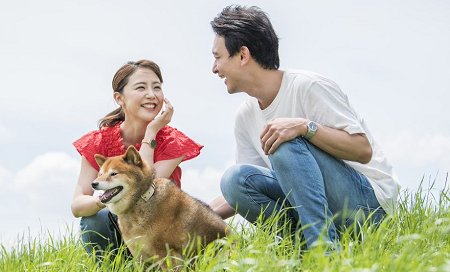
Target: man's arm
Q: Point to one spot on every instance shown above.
(338, 143)
(222, 208)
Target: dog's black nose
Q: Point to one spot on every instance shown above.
(94, 184)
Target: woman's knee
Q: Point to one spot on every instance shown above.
(96, 228)
(97, 222)
(96, 231)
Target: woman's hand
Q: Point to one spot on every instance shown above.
(158, 123)
(84, 203)
(164, 168)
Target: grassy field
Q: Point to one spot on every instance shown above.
(416, 238)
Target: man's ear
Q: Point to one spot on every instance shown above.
(132, 156)
(118, 98)
(99, 159)
(245, 55)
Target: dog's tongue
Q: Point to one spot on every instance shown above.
(108, 194)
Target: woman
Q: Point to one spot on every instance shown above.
(138, 92)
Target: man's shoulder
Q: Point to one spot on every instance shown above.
(247, 113)
(248, 105)
(303, 80)
(304, 76)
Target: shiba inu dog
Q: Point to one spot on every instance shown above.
(155, 217)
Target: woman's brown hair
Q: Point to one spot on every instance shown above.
(120, 80)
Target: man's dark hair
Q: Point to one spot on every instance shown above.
(250, 27)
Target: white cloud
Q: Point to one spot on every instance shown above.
(6, 133)
(38, 197)
(48, 182)
(416, 156)
(420, 150)
(204, 184)
(5, 178)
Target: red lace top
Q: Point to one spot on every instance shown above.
(171, 144)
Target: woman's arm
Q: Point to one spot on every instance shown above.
(84, 203)
(164, 169)
(147, 152)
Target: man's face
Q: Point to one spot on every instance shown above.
(224, 66)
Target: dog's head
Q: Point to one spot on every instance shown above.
(123, 179)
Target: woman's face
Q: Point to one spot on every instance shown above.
(142, 97)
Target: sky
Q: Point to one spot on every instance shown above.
(57, 60)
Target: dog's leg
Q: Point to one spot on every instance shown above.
(170, 259)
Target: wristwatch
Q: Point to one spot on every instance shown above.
(150, 142)
(312, 129)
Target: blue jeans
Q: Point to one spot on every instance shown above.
(321, 189)
(97, 231)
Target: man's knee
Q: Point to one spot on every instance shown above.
(288, 150)
(233, 180)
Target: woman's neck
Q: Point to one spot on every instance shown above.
(132, 132)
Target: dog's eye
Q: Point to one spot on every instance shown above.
(113, 174)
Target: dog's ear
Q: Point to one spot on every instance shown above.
(99, 159)
(132, 156)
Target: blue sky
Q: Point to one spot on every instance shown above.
(57, 59)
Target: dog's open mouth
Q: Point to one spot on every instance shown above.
(109, 194)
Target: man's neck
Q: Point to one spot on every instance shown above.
(266, 85)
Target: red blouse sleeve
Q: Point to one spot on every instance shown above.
(173, 144)
(89, 145)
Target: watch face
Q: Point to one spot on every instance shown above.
(312, 126)
(153, 143)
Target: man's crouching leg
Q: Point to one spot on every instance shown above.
(252, 189)
(300, 178)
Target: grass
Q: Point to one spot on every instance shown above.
(415, 238)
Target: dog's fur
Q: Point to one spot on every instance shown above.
(170, 219)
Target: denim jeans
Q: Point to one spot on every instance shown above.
(322, 190)
(97, 231)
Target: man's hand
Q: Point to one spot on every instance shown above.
(281, 130)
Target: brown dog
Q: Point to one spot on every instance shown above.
(153, 213)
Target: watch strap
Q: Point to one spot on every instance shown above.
(150, 142)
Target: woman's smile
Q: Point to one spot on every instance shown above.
(150, 106)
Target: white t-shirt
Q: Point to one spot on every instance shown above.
(309, 95)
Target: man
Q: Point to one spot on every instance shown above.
(297, 136)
